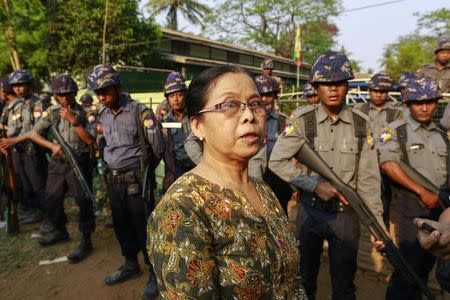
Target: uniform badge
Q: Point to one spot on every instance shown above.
(291, 126)
(37, 114)
(16, 116)
(370, 140)
(91, 119)
(386, 135)
(44, 115)
(149, 123)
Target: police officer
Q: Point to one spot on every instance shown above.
(268, 89)
(342, 137)
(177, 126)
(418, 141)
(131, 132)
(70, 120)
(267, 67)
(310, 93)
(29, 164)
(86, 100)
(439, 70)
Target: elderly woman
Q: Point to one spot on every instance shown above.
(216, 233)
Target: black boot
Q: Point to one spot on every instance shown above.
(83, 250)
(129, 270)
(55, 237)
(32, 218)
(151, 288)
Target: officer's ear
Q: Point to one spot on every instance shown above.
(197, 127)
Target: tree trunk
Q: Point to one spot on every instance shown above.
(11, 37)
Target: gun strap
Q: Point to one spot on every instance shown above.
(365, 108)
(310, 126)
(391, 115)
(447, 144)
(141, 137)
(402, 137)
(360, 133)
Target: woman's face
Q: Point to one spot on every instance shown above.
(238, 137)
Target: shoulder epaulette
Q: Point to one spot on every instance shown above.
(396, 123)
(361, 114)
(300, 111)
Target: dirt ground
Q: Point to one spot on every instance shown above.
(22, 278)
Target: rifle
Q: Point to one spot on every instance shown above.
(309, 157)
(423, 181)
(73, 163)
(9, 187)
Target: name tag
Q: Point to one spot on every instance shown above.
(172, 125)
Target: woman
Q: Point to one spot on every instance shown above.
(217, 233)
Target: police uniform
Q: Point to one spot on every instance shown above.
(176, 160)
(441, 76)
(130, 132)
(29, 166)
(61, 176)
(424, 147)
(347, 146)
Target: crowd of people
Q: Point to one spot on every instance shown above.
(220, 229)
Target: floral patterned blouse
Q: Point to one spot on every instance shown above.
(206, 242)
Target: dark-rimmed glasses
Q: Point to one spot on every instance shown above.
(233, 108)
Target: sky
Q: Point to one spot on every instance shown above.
(366, 32)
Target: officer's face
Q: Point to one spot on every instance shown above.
(378, 98)
(313, 99)
(108, 97)
(65, 99)
(267, 72)
(176, 100)
(231, 137)
(269, 98)
(21, 90)
(443, 56)
(422, 111)
(332, 94)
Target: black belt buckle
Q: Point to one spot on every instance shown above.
(115, 172)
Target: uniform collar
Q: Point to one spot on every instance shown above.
(433, 66)
(14, 102)
(416, 125)
(344, 115)
(124, 103)
(386, 105)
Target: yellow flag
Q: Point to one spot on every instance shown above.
(298, 47)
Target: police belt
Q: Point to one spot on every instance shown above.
(126, 175)
(332, 206)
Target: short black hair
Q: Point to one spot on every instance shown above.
(199, 88)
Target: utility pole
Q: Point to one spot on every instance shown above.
(105, 26)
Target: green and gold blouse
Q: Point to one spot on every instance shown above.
(206, 242)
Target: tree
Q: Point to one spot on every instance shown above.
(191, 10)
(75, 34)
(269, 25)
(437, 22)
(408, 54)
(411, 51)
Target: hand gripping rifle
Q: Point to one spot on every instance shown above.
(74, 165)
(308, 157)
(10, 190)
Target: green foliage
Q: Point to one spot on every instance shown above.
(408, 54)
(269, 25)
(191, 10)
(65, 36)
(75, 34)
(28, 22)
(437, 22)
(411, 51)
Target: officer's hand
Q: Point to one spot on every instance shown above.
(378, 245)
(67, 114)
(326, 191)
(100, 129)
(5, 143)
(57, 150)
(431, 200)
(438, 241)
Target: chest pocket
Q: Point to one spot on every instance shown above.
(347, 156)
(127, 133)
(416, 155)
(442, 152)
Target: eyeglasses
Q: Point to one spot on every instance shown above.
(233, 108)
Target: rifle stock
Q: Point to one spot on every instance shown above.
(309, 157)
(73, 163)
(11, 192)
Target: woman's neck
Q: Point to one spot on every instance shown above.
(229, 173)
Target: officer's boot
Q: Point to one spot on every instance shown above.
(54, 237)
(83, 249)
(151, 288)
(129, 270)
